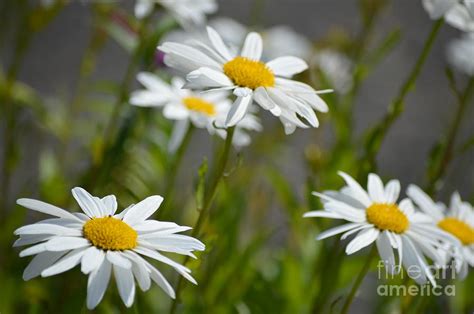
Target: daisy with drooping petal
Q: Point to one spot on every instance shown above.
(461, 54)
(458, 220)
(376, 216)
(104, 242)
(216, 68)
(203, 110)
(186, 12)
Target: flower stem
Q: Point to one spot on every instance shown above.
(359, 280)
(449, 143)
(379, 132)
(212, 190)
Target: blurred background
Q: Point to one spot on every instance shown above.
(70, 62)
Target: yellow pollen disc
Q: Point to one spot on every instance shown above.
(459, 229)
(249, 73)
(200, 105)
(109, 233)
(387, 217)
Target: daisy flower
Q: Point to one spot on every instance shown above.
(458, 220)
(186, 12)
(376, 216)
(438, 8)
(461, 54)
(104, 242)
(461, 16)
(214, 67)
(203, 110)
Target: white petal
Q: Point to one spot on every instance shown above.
(42, 229)
(238, 110)
(92, 259)
(64, 264)
(252, 47)
(97, 284)
(118, 259)
(140, 270)
(287, 66)
(66, 243)
(39, 263)
(358, 192)
(218, 43)
(180, 129)
(45, 208)
(31, 239)
(142, 9)
(144, 209)
(364, 238)
(242, 91)
(161, 281)
(262, 98)
(376, 189)
(386, 252)
(125, 285)
(110, 204)
(424, 202)
(392, 191)
(88, 204)
(186, 58)
(322, 213)
(336, 230)
(204, 78)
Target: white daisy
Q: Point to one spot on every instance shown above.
(215, 67)
(461, 16)
(377, 217)
(103, 241)
(438, 8)
(461, 54)
(458, 220)
(186, 12)
(337, 67)
(203, 110)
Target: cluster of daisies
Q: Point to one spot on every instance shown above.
(222, 82)
(416, 227)
(459, 14)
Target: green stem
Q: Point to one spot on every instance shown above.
(213, 185)
(173, 172)
(396, 108)
(359, 279)
(453, 132)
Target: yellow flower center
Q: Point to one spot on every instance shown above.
(109, 233)
(249, 73)
(387, 217)
(459, 229)
(200, 105)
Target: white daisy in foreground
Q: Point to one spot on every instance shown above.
(104, 242)
(461, 54)
(438, 8)
(376, 216)
(203, 110)
(458, 220)
(216, 68)
(186, 12)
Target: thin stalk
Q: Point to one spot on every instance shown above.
(453, 132)
(396, 108)
(359, 279)
(173, 172)
(213, 185)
